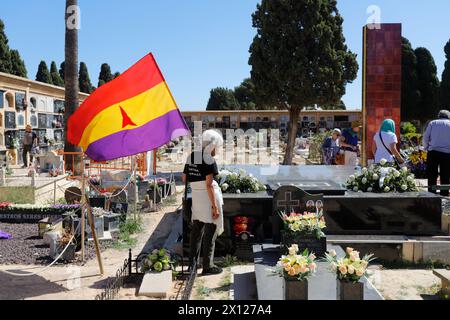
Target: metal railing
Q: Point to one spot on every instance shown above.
(129, 269)
(190, 282)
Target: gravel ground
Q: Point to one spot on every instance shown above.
(26, 248)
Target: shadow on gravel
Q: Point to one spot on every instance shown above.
(20, 288)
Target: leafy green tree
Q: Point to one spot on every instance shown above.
(5, 52)
(299, 57)
(410, 83)
(222, 99)
(62, 68)
(428, 85)
(18, 65)
(116, 74)
(56, 77)
(105, 75)
(43, 75)
(445, 84)
(336, 106)
(84, 79)
(245, 95)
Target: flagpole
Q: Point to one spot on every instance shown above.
(92, 225)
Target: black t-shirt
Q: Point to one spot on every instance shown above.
(197, 169)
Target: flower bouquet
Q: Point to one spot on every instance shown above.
(305, 230)
(349, 271)
(382, 178)
(418, 163)
(239, 182)
(158, 261)
(5, 205)
(296, 268)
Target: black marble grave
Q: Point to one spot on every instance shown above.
(409, 214)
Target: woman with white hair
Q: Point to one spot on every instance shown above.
(207, 201)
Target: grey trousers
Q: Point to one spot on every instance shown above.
(205, 232)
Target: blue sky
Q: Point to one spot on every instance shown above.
(199, 44)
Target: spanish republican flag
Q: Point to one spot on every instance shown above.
(132, 114)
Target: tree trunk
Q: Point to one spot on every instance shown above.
(73, 163)
(294, 114)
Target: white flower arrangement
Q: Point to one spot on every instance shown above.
(238, 182)
(382, 178)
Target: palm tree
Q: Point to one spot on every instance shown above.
(73, 163)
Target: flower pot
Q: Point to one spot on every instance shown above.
(310, 242)
(350, 290)
(295, 290)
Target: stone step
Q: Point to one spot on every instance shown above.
(444, 275)
(156, 285)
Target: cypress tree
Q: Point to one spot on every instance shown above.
(43, 75)
(105, 75)
(18, 65)
(5, 52)
(410, 83)
(62, 71)
(445, 85)
(428, 85)
(56, 78)
(84, 79)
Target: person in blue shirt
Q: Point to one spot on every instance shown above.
(350, 143)
(437, 141)
(330, 148)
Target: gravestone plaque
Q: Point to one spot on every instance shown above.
(20, 136)
(42, 136)
(290, 199)
(42, 121)
(58, 135)
(9, 138)
(58, 106)
(20, 101)
(10, 120)
(1, 98)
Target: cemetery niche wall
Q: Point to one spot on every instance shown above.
(351, 213)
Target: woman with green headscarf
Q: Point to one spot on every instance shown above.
(385, 144)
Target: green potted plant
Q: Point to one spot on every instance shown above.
(296, 269)
(349, 270)
(159, 261)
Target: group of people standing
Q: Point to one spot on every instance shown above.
(341, 148)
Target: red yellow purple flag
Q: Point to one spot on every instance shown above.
(133, 113)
